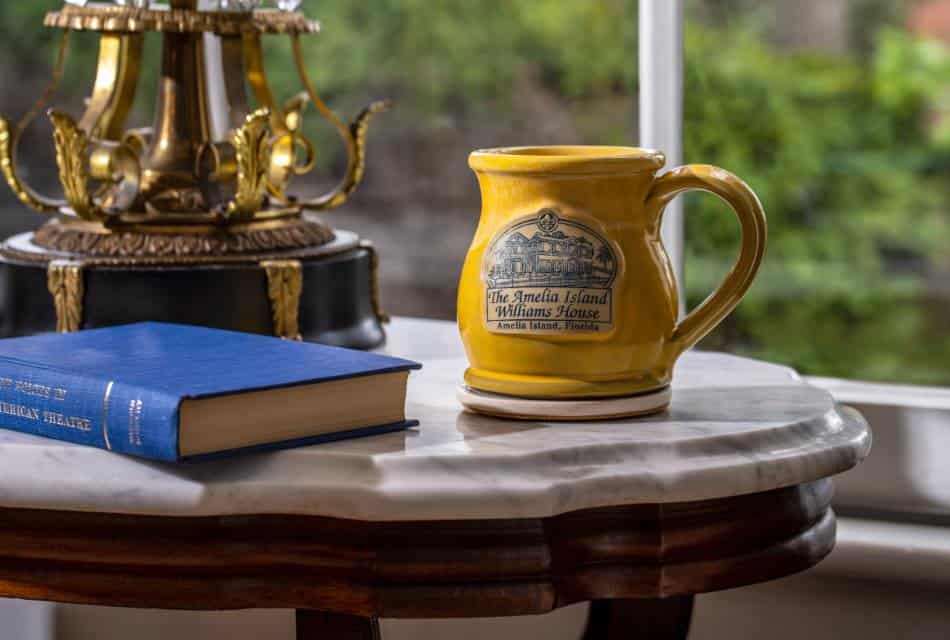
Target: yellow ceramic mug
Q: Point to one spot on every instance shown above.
(567, 291)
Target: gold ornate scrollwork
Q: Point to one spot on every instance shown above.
(188, 171)
(117, 74)
(253, 152)
(8, 143)
(284, 286)
(110, 19)
(288, 147)
(184, 246)
(374, 296)
(64, 279)
(10, 140)
(138, 140)
(357, 167)
(354, 136)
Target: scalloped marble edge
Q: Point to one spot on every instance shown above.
(465, 466)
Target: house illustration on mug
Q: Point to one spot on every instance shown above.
(538, 252)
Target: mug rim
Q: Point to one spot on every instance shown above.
(566, 159)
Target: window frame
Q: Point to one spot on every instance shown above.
(661, 65)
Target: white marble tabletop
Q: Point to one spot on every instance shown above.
(735, 426)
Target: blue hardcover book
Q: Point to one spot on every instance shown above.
(174, 392)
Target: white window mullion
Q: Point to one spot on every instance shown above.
(661, 104)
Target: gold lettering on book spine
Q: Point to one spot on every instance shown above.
(284, 286)
(105, 415)
(64, 279)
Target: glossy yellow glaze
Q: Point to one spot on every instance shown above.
(616, 192)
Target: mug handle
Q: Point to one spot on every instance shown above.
(738, 195)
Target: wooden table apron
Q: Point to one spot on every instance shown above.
(463, 568)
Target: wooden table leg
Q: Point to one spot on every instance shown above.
(647, 619)
(317, 625)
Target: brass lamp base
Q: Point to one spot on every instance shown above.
(193, 219)
(324, 293)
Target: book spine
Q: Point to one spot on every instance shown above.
(90, 411)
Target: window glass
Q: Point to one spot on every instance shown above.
(836, 113)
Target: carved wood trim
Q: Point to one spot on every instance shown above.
(414, 569)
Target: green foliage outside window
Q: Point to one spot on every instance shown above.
(851, 158)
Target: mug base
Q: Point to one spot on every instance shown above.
(517, 408)
(564, 387)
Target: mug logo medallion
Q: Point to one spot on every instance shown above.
(549, 274)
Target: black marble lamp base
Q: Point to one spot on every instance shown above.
(335, 296)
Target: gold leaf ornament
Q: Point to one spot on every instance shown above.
(72, 151)
(64, 279)
(284, 286)
(253, 154)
